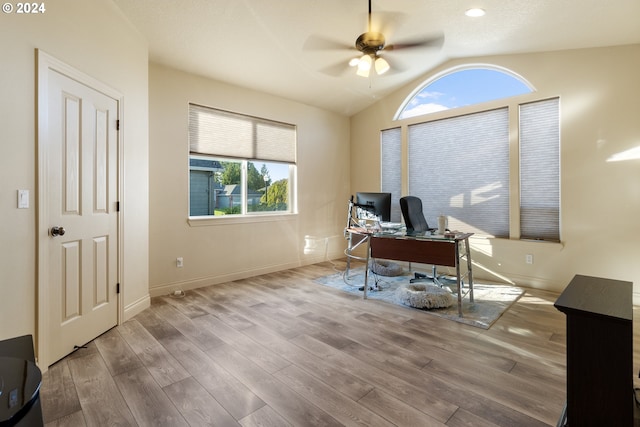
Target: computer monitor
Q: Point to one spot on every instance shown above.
(378, 204)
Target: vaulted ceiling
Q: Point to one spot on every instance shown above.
(288, 47)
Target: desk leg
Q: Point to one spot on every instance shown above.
(469, 272)
(458, 279)
(350, 240)
(366, 267)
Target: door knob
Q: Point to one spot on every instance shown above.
(57, 231)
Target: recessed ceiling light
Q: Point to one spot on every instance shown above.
(475, 12)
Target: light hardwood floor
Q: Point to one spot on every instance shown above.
(280, 350)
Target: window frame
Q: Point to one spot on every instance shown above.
(513, 105)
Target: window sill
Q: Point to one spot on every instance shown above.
(477, 238)
(208, 221)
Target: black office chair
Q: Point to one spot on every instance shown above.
(411, 208)
(415, 222)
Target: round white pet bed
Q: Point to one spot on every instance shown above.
(424, 295)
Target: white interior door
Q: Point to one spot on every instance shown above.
(80, 189)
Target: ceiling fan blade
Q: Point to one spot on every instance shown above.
(431, 42)
(387, 22)
(395, 66)
(315, 42)
(337, 69)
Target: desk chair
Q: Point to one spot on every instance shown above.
(415, 222)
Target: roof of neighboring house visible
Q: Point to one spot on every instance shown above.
(205, 164)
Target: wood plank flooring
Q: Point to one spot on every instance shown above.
(281, 350)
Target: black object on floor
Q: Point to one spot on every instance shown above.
(20, 381)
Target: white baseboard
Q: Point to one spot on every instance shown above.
(185, 285)
(136, 307)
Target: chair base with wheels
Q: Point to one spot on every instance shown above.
(440, 280)
(415, 222)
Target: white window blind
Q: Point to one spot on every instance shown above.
(459, 167)
(540, 170)
(226, 134)
(391, 168)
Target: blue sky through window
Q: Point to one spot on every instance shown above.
(462, 88)
(277, 171)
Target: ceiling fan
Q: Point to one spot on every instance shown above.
(371, 45)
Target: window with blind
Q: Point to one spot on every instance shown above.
(391, 168)
(239, 164)
(460, 168)
(540, 170)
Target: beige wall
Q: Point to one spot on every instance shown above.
(599, 92)
(94, 38)
(215, 252)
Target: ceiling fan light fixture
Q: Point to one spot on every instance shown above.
(362, 73)
(354, 62)
(381, 65)
(475, 12)
(364, 65)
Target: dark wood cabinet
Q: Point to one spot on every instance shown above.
(599, 315)
(17, 359)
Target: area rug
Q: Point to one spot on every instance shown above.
(491, 299)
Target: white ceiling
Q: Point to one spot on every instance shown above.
(267, 44)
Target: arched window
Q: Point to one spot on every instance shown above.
(459, 87)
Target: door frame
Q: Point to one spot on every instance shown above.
(46, 63)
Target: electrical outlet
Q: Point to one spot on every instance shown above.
(528, 258)
(179, 262)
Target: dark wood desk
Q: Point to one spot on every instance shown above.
(424, 249)
(599, 352)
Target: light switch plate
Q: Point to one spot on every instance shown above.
(23, 199)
